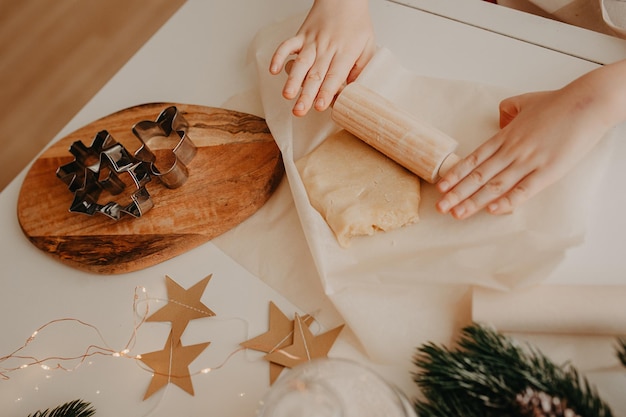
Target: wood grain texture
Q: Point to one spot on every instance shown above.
(236, 169)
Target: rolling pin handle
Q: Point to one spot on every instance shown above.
(416, 145)
(448, 163)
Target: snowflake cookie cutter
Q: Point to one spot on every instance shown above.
(167, 138)
(100, 167)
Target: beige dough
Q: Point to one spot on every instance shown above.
(357, 189)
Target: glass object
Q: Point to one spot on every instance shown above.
(333, 388)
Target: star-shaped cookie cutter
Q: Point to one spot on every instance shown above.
(99, 167)
(166, 138)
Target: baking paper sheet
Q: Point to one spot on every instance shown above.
(399, 289)
(554, 309)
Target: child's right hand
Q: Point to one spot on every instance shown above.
(543, 136)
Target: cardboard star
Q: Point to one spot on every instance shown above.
(305, 347)
(183, 306)
(172, 365)
(279, 335)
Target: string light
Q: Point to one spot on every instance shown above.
(291, 356)
(140, 296)
(140, 316)
(90, 351)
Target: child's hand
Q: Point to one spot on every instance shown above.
(543, 136)
(332, 46)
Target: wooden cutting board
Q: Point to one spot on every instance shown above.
(235, 171)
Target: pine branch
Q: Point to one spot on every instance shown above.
(488, 374)
(76, 408)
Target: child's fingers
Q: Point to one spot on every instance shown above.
(299, 70)
(466, 165)
(469, 175)
(537, 179)
(493, 189)
(285, 49)
(519, 194)
(334, 80)
(361, 62)
(315, 76)
(288, 66)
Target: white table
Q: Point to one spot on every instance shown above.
(208, 42)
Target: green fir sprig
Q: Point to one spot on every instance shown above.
(489, 374)
(76, 408)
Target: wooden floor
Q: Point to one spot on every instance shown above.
(54, 56)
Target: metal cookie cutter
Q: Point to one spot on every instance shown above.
(100, 167)
(167, 138)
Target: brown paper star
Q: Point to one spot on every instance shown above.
(305, 347)
(172, 365)
(183, 306)
(279, 335)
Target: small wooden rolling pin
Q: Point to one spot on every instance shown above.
(417, 146)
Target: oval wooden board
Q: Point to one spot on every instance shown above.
(235, 171)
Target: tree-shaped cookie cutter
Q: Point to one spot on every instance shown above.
(166, 148)
(99, 167)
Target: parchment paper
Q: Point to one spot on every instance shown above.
(399, 289)
(554, 309)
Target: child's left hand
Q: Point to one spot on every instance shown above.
(332, 46)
